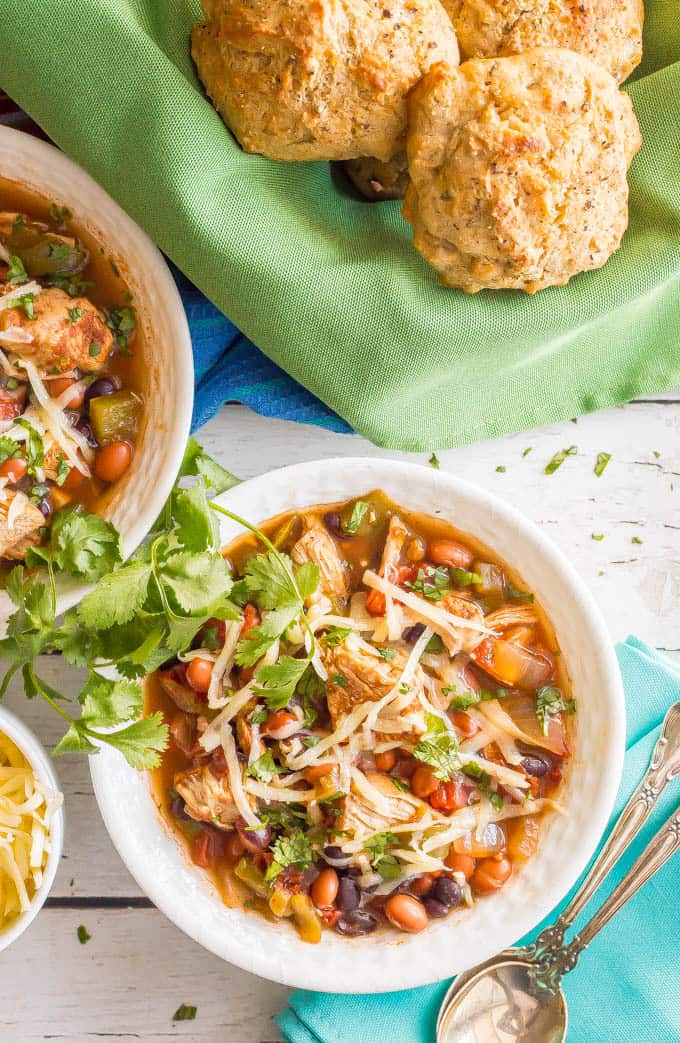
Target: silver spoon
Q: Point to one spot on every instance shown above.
(516, 996)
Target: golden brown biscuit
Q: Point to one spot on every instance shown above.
(319, 79)
(518, 169)
(377, 180)
(608, 31)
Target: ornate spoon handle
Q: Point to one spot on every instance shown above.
(662, 847)
(663, 767)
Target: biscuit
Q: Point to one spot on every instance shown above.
(608, 31)
(319, 79)
(518, 169)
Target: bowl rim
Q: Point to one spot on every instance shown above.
(29, 744)
(262, 960)
(55, 161)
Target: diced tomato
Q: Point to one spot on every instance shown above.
(329, 915)
(376, 604)
(450, 796)
(251, 618)
(206, 848)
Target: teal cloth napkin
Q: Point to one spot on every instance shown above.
(626, 986)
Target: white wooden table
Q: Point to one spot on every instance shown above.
(126, 983)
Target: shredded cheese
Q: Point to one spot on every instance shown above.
(235, 777)
(27, 808)
(223, 664)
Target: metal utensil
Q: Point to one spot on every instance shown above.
(516, 995)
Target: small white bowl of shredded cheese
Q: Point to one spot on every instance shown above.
(31, 827)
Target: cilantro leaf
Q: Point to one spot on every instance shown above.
(277, 683)
(196, 581)
(197, 462)
(268, 579)
(432, 583)
(16, 273)
(293, 850)
(117, 597)
(387, 653)
(82, 544)
(256, 642)
(307, 578)
(351, 526)
(438, 748)
(35, 446)
(106, 703)
(382, 861)
(518, 595)
(196, 526)
(550, 702)
(335, 636)
(75, 741)
(264, 768)
(142, 742)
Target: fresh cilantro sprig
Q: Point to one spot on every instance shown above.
(293, 850)
(432, 583)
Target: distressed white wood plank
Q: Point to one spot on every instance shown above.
(126, 983)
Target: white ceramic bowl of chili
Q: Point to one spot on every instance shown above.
(389, 960)
(135, 501)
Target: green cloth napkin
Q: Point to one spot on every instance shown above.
(329, 286)
(626, 987)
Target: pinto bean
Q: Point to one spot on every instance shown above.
(406, 913)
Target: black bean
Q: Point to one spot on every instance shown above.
(349, 894)
(177, 809)
(447, 891)
(253, 839)
(100, 387)
(435, 909)
(411, 634)
(356, 923)
(333, 523)
(337, 854)
(45, 506)
(83, 425)
(535, 766)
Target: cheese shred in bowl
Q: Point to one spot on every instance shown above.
(27, 808)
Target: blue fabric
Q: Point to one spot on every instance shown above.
(626, 987)
(229, 368)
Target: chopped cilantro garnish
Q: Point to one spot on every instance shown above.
(526, 451)
(601, 462)
(550, 702)
(387, 653)
(432, 583)
(26, 302)
(501, 469)
(59, 214)
(93, 349)
(434, 461)
(74, 314)
(340, 680)
(636, 539)
(35, 446)
(356, 517)
(264, 768)
(63, 470)
(184, 1012)
(12, 384)
(16, 273)
(122, 322)
(598, 536)
(336, 635)
(559, 458)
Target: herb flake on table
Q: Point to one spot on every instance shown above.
(185, 1012)
(501, 469)
(599, 536)
(434, 461)
(559, 458)
(83, 933)
(601, 462)
(636, 539)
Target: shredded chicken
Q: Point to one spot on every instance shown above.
(361, 817)
(67, 332)
(394, 544)
(206, 798)
(24, 530)
(316, 544)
